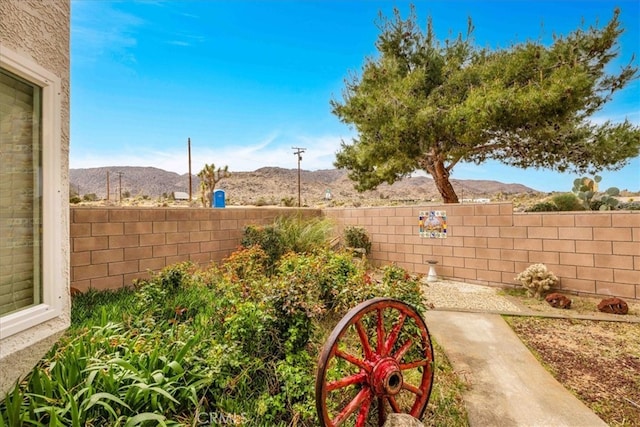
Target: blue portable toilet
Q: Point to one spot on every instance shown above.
(218, 199)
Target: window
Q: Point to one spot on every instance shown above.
(32, 282)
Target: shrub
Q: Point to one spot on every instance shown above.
(303, 236)
(288, 234)
(357, 237)
(543, 207)
(629, 206)
(288, 202)
(567, 202)
(536, 279)
(267, 238)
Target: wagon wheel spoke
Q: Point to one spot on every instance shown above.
(362, 398)
(413, 389)
(415, 364)
(403, 350)
(352, 359)
(382, 411)
(346, 381)
(394, 404)
(363, 413)
(379, 330)
(364, 339)
(393, 335)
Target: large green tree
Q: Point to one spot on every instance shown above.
(422, 104)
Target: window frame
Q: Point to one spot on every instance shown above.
(54, 280)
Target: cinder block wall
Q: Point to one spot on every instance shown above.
(110, 247)
(591, 252)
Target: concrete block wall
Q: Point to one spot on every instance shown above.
(591, 252)
(112, 246)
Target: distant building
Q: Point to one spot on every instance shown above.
(180, 195)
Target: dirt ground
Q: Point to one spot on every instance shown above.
(598, 361)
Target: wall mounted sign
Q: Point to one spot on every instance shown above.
(432, 224)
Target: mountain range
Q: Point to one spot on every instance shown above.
(273, 185)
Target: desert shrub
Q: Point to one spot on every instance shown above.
(74, 200)
(543, 207)
(303, 236)
(90, 197)
(269, 239)
(246, 264)
(288, 202)
(567, 202)
(357, 237)
(536, 279)
(288, 234)
(629, 206)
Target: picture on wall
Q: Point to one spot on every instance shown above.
(432, 224)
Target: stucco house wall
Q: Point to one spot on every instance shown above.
(39, 30)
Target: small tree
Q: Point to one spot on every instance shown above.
(209, 177)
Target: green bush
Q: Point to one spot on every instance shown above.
(287, 234)
(567, 202)
(357, 237)
(629, 206)
(543, 207)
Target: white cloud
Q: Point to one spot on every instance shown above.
(273, 150)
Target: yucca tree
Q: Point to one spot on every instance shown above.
(209, 177)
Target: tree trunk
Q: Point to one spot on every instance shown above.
(440, 176)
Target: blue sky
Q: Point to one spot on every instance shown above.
(248, 80)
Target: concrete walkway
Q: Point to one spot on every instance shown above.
(507, 385)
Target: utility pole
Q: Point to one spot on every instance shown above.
(298, 153)
(120, 185)
(108, 186)
(189, 146)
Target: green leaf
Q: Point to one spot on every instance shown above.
(143, 417)
(107, 396)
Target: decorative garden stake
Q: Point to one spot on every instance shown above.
(377, 360)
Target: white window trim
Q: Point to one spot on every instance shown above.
(54, 282)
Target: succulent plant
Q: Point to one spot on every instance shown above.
(586, 189)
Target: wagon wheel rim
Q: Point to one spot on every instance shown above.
(386, 369)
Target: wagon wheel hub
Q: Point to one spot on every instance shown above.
(386, 378)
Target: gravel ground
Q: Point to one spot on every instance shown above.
(460, 296)
(453, 295)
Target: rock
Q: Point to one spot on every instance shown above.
(557, 300)
(613, 305)
(402, 420)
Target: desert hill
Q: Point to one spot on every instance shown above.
(275, 186)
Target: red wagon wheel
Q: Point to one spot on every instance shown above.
(378, 359)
